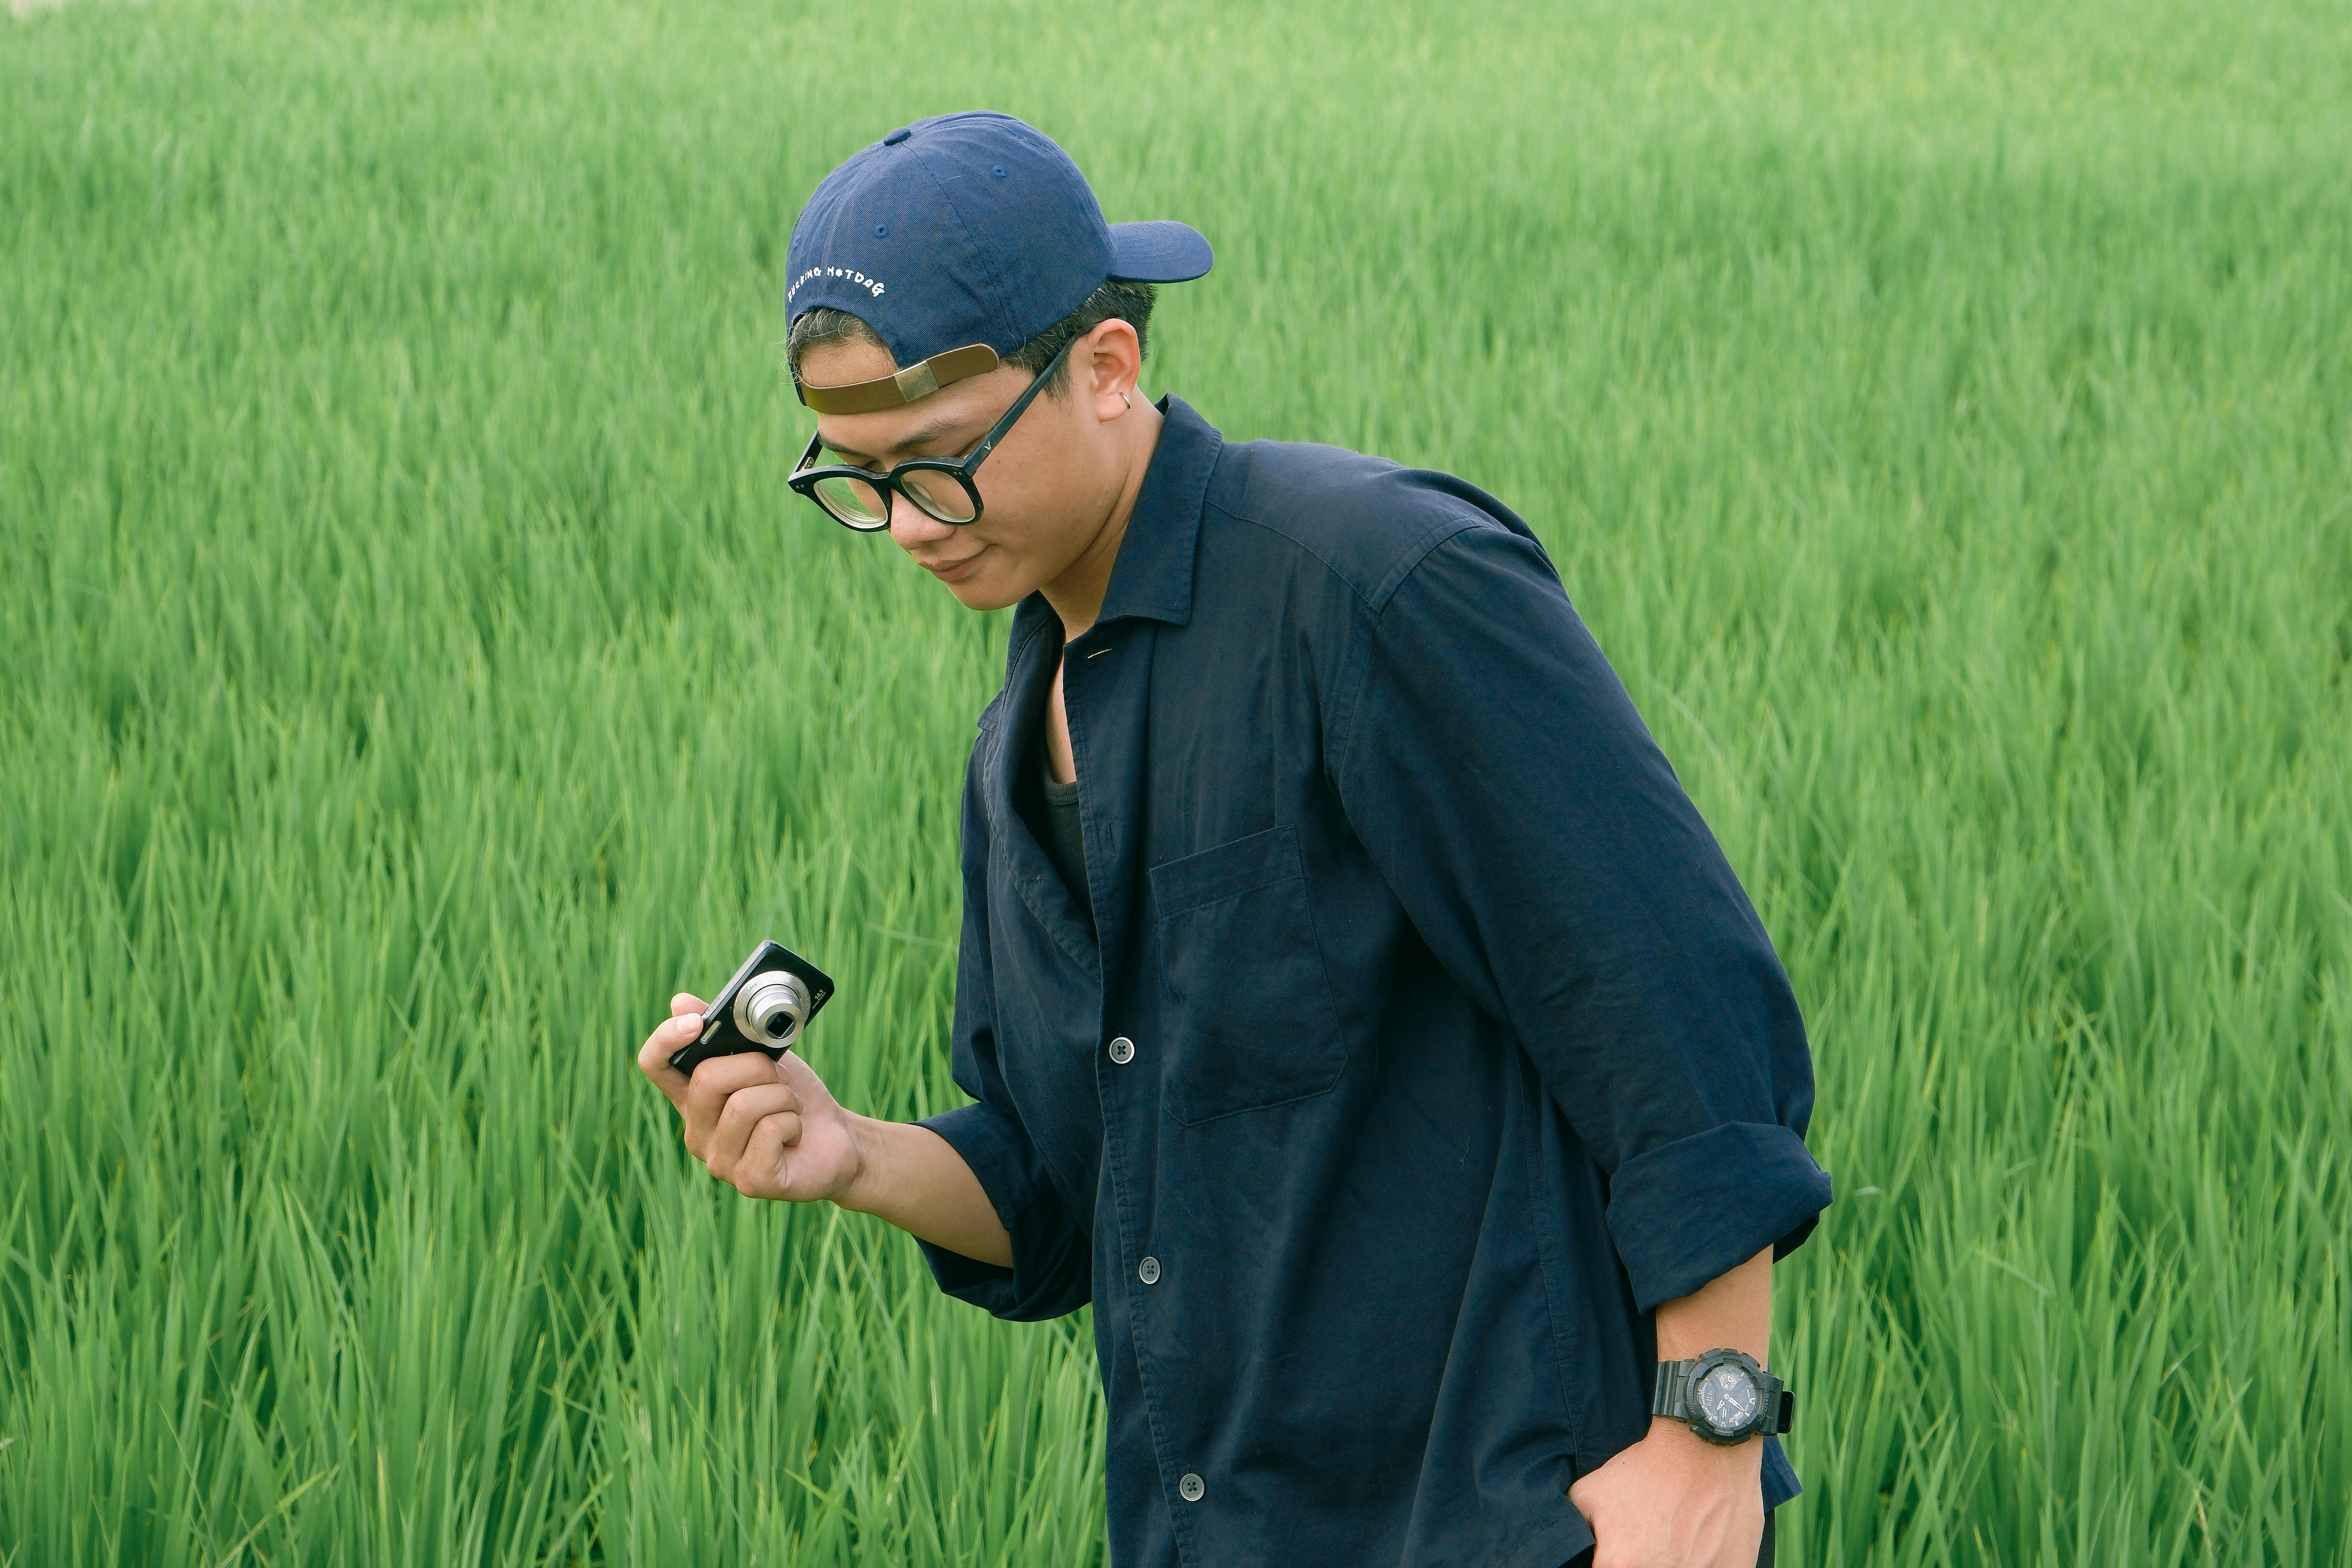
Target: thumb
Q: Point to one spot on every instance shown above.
(801, 1080)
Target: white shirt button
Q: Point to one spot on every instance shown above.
(1149, 1271)
(1122, 1050)
(1191, 1488)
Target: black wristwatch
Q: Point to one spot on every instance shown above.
(1725, 1396)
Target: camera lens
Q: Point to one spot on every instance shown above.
(771, 1008)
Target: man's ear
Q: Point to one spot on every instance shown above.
(1105, 366)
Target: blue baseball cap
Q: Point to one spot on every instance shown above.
(958, 239)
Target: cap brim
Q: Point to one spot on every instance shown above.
(1161, 252)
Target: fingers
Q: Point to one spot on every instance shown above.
(685, 1003)
(761, 1173)
(707, 1092)
(746, 1110)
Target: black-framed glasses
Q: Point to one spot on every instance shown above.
(940, 487)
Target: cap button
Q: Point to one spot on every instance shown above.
(896, 136)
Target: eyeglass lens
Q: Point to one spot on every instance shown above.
(862, 504)
(854, 501)
(939, 494)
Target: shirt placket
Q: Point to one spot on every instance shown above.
(1106, 697)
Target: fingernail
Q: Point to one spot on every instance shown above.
(689, 1024)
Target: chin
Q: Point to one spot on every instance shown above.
(982, 594)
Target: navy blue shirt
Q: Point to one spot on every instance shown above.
(1420, 1044)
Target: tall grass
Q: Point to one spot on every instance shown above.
(416, 670)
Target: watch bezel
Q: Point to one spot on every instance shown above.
(1694, 1409)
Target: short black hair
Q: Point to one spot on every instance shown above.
(1115, 300)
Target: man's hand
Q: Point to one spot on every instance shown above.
(1674, 1500)
(770, 1128)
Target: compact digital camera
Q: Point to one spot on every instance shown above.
(764, 1009)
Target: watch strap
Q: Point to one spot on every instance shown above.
(1666, 1396)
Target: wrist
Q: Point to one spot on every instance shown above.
(868, 1165)
(1732, 1457)
(906, 1175)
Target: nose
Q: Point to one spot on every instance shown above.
(913, 529)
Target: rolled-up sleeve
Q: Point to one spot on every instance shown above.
(1494, 767)
(1052, 1271)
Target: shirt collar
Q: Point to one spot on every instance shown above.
(1152, 578)
(1153, 574)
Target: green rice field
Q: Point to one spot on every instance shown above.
(412, 670)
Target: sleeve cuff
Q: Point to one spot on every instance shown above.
(1780, 1483)
(1692, 1210)
(1052, 1271)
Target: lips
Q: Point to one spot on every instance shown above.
(954, 570)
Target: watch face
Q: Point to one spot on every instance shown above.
(1726, 1397)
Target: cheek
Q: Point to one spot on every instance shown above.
(1009, 499)
(1051, 466)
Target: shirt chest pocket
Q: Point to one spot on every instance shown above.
(1247, 1012)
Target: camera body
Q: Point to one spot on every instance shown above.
(764, 1009)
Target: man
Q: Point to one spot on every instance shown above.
(1357, 1012)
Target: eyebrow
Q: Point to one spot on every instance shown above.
(921, 435)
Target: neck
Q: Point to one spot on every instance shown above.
(1077, 593)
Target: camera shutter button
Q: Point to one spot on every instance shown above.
(1122, 1050)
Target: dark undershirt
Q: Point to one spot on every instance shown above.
(1059, 830)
